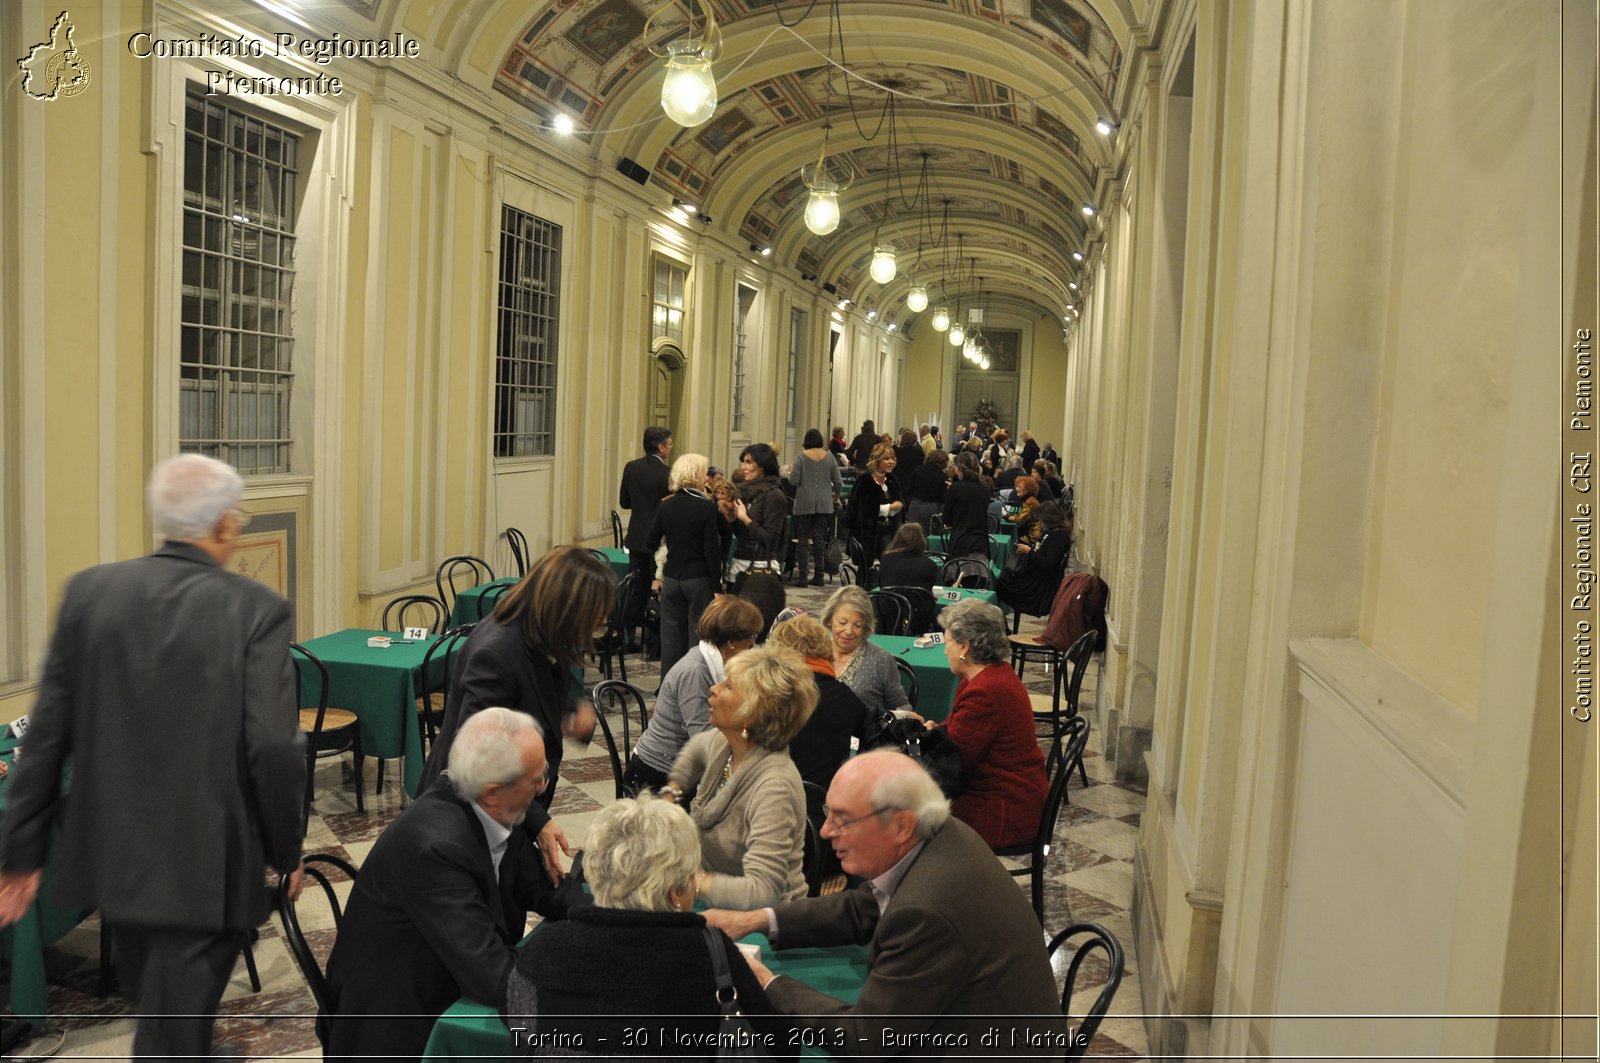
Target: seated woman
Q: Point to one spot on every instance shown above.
(638, 950)
(1027, 496)
(824, 742)
(728, 626)
(866, 669)
(1043, 545)
(905, 563)
(1002, 771)
(749, 803)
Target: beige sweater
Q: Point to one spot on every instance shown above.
(752, 828)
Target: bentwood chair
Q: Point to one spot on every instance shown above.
(329, 732)
(626, 700)
(923, 608)
(519, 550)
(966, 572)
(816, 850)
(621, 625)
(618, 765)
(322, 870)
(459, 572)
(1038, 850)
(1094, 937)
(616, 530)
(438, 665)
(892, 610)
(908, 680)
(414, 610)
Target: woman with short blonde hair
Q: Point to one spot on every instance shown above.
(749, 802)
(686, 537)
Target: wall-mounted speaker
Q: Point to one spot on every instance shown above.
(628, 168)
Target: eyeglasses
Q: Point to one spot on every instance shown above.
(845, 824)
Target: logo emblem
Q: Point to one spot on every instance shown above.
(55, 68)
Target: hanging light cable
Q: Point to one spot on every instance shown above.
(689, 91)
(883, 266)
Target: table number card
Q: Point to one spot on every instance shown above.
(416, 634)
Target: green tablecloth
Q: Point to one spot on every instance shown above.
(619, 559)
(936, 683)
(380, 687)
(22, 945)
(1000, 546)
(474, 1031)
(940, 603)
(468, 607)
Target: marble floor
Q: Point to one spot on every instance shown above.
(1090, 879)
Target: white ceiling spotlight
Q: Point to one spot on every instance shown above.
(1105, 127)
(563, 124)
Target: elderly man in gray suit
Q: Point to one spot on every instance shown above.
(170, 687)
(957, 965)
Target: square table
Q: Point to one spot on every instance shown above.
(1001, 544)
(468, 606)
(22, 945)
(470, 1030)
(936, 683)
(380, 687)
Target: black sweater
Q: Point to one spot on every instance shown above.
(690, 523)
(966, 516)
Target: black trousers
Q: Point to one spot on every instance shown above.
(644, 563)
(175, 979)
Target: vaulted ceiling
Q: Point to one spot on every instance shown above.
(999, 96)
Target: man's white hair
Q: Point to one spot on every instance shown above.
(911, 788)
(190, 493)
(485, 751)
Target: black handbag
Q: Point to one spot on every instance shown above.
(933, 748)
(735, 1037)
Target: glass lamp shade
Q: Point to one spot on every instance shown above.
(958, 335)
(941, 319)
(983, 362)
(689, 92)
(822, 211)
(917, 300)
(883, 266)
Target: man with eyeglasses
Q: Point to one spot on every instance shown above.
(168, 678)
(957, 963)
(442, 900)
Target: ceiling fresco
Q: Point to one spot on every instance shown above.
(1018, 118)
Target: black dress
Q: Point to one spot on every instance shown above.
(1032, 588)
(861, 515)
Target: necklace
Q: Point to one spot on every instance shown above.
(727, 768)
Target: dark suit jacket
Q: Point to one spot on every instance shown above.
(692, 526)
(169, 684)
(644, 485)
(958, 950)
(428, 923)
(966, 517)
(496, 667)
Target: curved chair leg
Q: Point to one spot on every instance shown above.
(250, 959)
(361, 784)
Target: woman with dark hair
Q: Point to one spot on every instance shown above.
(758, 511)
(874, 510)
(905, 562)
(862, 445)
(908, 453)
(522, 657)
(994, 458)
(966, 511)
(925, 492)
(1032, 587)
(817, 480)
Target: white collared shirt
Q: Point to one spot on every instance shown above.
(884, 885)
(498, 835)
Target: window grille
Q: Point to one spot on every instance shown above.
(235, 364)
(666, 320)
(529, 312)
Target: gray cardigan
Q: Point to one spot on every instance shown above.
(820, 483)
(871, 674)
(681, 711)
(752, 828)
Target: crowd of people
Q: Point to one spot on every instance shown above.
(747, 743)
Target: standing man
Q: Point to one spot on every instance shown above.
(644, 485)
(955, 948)
(170, 687)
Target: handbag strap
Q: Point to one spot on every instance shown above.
(727, 996)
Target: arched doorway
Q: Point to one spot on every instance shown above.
(666, 384)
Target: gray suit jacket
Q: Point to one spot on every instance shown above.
(956, 952)
(169, 685)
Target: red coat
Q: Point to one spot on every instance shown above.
(1002, 769)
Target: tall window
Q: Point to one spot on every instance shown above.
(666, 319)
(525, 365)
(797, 329)
(235, 372)
(745, 299)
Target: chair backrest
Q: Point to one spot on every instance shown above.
(1075, 665)
(908, 680)
(616, 530)
(622, 610)
(617, 766)
(847, 572)
(404, 612)
(461, 570)
(1094, 937)
(923, 608)
(296, 653)
(938, 557)
(968, 572)
(994, 523)
(892, 610)
(935, 524)
(1066, 752)
(322, 869)
(814, 845)
(626, 699)
(491, 597)
(519, 550)
(438, 666)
